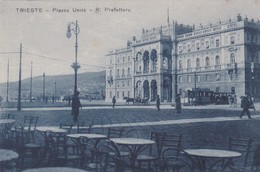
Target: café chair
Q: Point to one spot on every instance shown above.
(111, 156)
(7, 116)
(242, 145)
(66, 126)
(132, 133)
(82, 128)
(154, 151)
(97, 126)
(175, 160)
(114, 133)
(65, 151)
(26, 130)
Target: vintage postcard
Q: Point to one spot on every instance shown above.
(171, 85)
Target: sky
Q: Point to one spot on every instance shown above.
(43, 34)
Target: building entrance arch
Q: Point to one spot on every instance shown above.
(146, 89)
(167, 90)
(153, 90)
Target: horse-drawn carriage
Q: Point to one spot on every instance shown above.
(136, 100)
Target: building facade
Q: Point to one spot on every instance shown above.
(175, 58)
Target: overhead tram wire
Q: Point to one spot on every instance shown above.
(56, 59)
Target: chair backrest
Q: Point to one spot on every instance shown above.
(82, 128)
(33, 122)
(96, 125)
(241, 145)
(27, 122)
(67, 126)
(114, 132)
(7, 116)
(132, 133)
(172, 141)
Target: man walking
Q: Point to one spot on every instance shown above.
(114, 101)
(75, 106)
(245, 103)
(158, 102)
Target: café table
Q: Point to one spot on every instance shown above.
(201, 156)
(135, 146)
(54, 169)
(5, 156)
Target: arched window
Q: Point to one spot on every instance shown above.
(197, 63)
(146, 61)
(165, 63)
(207, 62)
(188, 64)
(217, 60)
(232, 58)
(180, 64)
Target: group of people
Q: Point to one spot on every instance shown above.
(177, 103)
(232, 101)
(246, 104)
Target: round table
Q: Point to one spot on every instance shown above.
(52, 129)
(6, 121)
(54, 169)
(6, 155)
(135, 146)
(201, 156)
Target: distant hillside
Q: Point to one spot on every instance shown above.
(87, 82)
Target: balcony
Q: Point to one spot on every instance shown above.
(117, 76)
(129, 75)
(122, 76)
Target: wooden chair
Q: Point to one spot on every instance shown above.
(132, 133)
(82, 128)
(67, 126)
(113, 157)
(175, 160)
(114, 132)
(154, 151)
(242, 145)
(65, 152)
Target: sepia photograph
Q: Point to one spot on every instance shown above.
(129, 86)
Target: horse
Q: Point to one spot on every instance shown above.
(129, 100)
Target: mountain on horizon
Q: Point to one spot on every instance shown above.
(87, 82)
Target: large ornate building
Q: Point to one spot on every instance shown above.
(171, 59)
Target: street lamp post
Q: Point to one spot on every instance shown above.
(75, 28)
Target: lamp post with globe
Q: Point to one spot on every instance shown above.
(73, 27)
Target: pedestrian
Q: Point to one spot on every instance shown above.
(245, 103)
(252, 104)
(158, 102)
(114, 101)
(235, 101)
(69, 100)
(75, 106)
(178, 103)
(230, 101)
